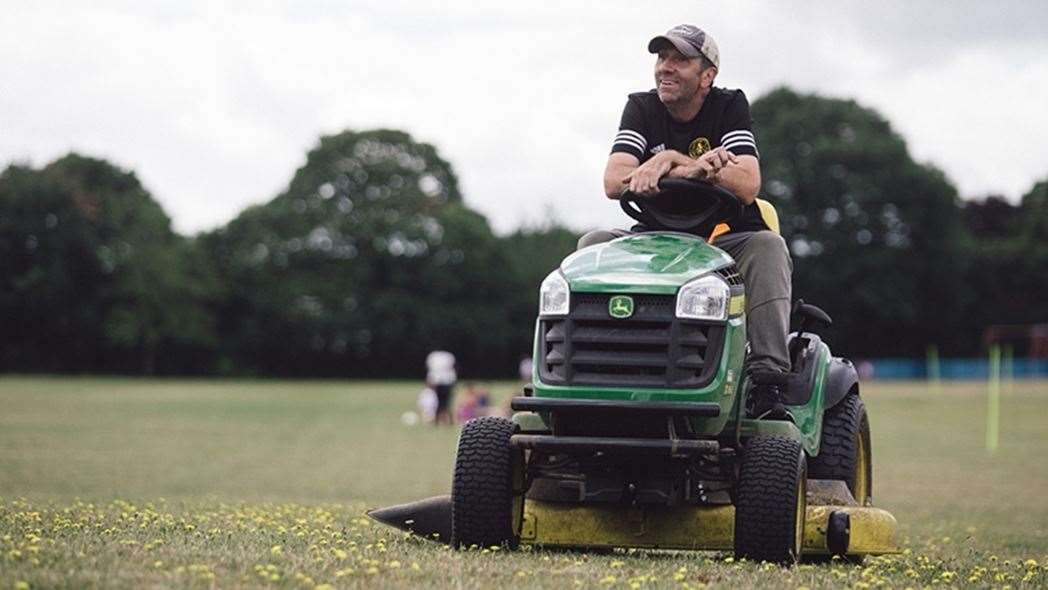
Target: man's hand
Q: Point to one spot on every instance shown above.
(644, 180)
(706, 167)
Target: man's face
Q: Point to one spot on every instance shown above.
(678, 78)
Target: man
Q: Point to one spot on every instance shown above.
(687, 128)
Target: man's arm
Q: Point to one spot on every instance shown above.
(624, 172)
(743, 177)
(739, 174)
(620, 165)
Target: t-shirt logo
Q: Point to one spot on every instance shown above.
(699, 146)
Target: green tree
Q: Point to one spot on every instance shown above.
(366, 262)
(93, 276)
(876, 238)
(1009, 254)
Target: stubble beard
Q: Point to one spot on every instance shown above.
(680, 97)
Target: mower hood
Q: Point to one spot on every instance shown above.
(652, 262)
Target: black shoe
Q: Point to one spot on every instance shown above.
(765, 398)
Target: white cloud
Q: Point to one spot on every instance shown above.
(214, 105)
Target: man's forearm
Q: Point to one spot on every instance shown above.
(741, 181)
(741, 176)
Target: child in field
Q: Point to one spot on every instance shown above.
(476, 402)
(427, 405)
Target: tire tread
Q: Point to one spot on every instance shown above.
(482, 485)
(765, 511)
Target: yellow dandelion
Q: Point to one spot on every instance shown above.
(276, 550)
(609, 579)
(21, 585)
(617, 563)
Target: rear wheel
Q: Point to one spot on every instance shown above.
(844, 448)
(771, 504)
(487, 487)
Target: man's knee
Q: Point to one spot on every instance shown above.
(597, 236)
(768, 241)
(769, 246)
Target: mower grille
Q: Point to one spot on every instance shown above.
(730, 274)
(651, 348)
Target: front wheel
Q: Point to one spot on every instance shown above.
(772, 500)
(487, 487)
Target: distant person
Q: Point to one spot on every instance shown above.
(476, 403)
(525, 368)
(441, 377)
(427, 405)
(865, 370)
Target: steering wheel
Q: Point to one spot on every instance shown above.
(712, 205)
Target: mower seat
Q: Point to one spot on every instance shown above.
(768, 214)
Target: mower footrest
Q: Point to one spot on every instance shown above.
(633, 408)
(619, 446)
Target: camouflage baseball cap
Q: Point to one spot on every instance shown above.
(689, 40)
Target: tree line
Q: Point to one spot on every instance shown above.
(370, 259)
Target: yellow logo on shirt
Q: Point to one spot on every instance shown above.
(699, 146)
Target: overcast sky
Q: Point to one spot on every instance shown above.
(214, 104)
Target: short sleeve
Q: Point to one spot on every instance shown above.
(738, 124)
(630, 138)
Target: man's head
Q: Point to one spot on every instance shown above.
(687, 64)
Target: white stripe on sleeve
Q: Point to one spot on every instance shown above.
(737, 142)
(629, 142)
(737, 134)
(630, 134)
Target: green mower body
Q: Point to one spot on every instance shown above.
(652, 355)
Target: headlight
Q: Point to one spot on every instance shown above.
(554, 295)
(705, 298)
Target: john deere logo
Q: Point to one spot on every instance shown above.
(699, 146)
(620, 306)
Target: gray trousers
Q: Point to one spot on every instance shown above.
(766, 268)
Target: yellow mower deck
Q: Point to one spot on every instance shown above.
(871, 531)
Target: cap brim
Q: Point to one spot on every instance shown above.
(680, 44)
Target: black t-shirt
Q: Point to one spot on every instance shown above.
(724, 120)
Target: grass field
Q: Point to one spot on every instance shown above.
(144, 483)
